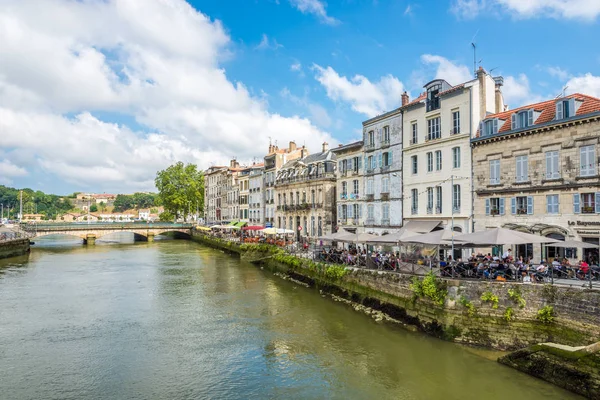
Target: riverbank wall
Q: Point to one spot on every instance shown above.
(14, 248)
(499, 315)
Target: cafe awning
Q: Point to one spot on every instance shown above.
(240, 224)
(422, 226)
(253, 228)
(202, 228)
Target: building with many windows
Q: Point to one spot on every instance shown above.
(305, 194)
(243, 183)
(256, 199)
(437, 129)
(350, 186)
(535, 169)
(382, 158)
(214, 188)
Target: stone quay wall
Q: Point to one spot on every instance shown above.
(13, 248)
(499, 315)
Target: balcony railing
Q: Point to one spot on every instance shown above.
(369, 146)
(304, 178)
(385, 196)
(588, 210)
(343, 196)
(385, 143)
(370, 197)
(494, 211)
(521, 211)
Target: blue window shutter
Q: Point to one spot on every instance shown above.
(501, 205)
(350, 164)
(380, 160)
(513, 121)
(340, 166)
(481, 131)
(495, 125)
(513, 205)
(487, 206)
(530, 205)
(389, 158)
(548, 205)
(576, 204)
(597, 202)
(571, 107)
(530, 117)
(359, 159)
(559, 110)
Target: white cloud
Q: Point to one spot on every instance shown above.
(8, 170)
(567, 9)
(517, 91)
(315, 7)
(267, 44)
(408, 10)
(366, 97)
(558, 73)
(317, 113)
(297, 67)
(451, 72)
(156, 63)
(586, 84)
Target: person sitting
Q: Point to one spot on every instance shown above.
(541, 271)
(583, 271)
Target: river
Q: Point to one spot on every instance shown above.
(176, 320)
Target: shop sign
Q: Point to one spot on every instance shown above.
(584, 223)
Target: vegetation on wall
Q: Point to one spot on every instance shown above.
(468, 305)
(546, 314)
(490, 297)
(509, 314)
(430, 287)
(516, 297)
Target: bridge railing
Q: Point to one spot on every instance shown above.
(102, 225)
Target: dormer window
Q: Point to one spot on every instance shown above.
(489, 127)
(522, 119)
(433, 101)
(565, 108)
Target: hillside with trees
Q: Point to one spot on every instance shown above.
(34, 202)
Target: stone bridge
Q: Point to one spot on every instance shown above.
(92, 231)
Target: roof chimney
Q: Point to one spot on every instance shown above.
(499, 99)
(482, 93)
(292, 146)
(325, 146)
(405, 98)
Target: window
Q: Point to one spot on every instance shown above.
(356, 210)
(433, 128)
(429, 162)
(589, 203)
(494, 206)
(433, 101)
(387, 159)
(385, 212)
(522, 205)
(370, 186)
(489, 127)
(552, 165)
(312, 197)
(565, 108)
(522, 169)
(385, 185)
(414, 201)
(415, 133)
(522, 119)
(350, 211)
(455, 198)
(386, 134)
(455, 122)
(429, 200)
(356, 164)
(355, 186)
(552, 204)
(370, 212)
(344, 190)
(438, 199)
(494, 172)
(370, 165)
(587, 161)
(371, 141)
(456, 157)
(415, 165)
(438, 160)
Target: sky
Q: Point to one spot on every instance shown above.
(98, 95)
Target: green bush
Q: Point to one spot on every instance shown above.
(468, 305)
(515, 296)
(490, 297)
(430, 287)
(546, 314)
(509, 314)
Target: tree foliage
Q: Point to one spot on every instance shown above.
(137, 200)
(93, 208)
(48, 204)
(180, 188)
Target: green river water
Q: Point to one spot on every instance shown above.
(177, 320)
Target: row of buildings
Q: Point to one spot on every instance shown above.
(456, 158)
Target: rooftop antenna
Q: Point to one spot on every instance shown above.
(474, 59)
(562, 93)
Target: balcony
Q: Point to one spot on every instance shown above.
(385, 196)
(305, 178)
(344, 173)
(370, 197)
(494, 211)
(353, 196)
(385, 143)
(316, 205)
(369, 146)
(522, 211)
(343, 196)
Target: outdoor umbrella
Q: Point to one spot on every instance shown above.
(501, 236)
(361, 238)
(573, 243)
(441, 237)
(394, 238)
(337, 236)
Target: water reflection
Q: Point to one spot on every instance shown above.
(176, 320)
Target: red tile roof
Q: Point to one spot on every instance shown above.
(452, 89)
(421, 97)
(547, 111)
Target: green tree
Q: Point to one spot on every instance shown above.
(180, 188)
(166, 217)
(93, 208)
(123, 202)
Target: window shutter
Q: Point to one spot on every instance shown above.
(350, 211)
(350, 164)
(530, 117)
(389, 158)
(496, 125)
(501, 205)
(571, 107)
(481, 132)
(548, 205)
(513, 121)
(529, 205)
(576, 203)
(358, 160)
(487, 206)
(380, 160)
(519, 169)
(549, 165)
(597, 202)
(555, 171)
(559, 110)
(339, 211)
(360, 211)
(513, 205)
(340, 166)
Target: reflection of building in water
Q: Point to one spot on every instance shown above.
(535, 169)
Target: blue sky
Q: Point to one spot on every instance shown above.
(99, 95)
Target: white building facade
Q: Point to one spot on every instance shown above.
(438, 127)
(350, 190)
(382, 181)
(256, 199)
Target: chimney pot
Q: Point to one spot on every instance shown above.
(325, 146)
(405, 98)
(292, 146)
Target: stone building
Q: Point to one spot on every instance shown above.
(214, 187)
(535, 169)
(273, 162)
(437, 128)
(350, 187)
(382, 157)
(243, 183)
(305, 194)
(256, 200)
